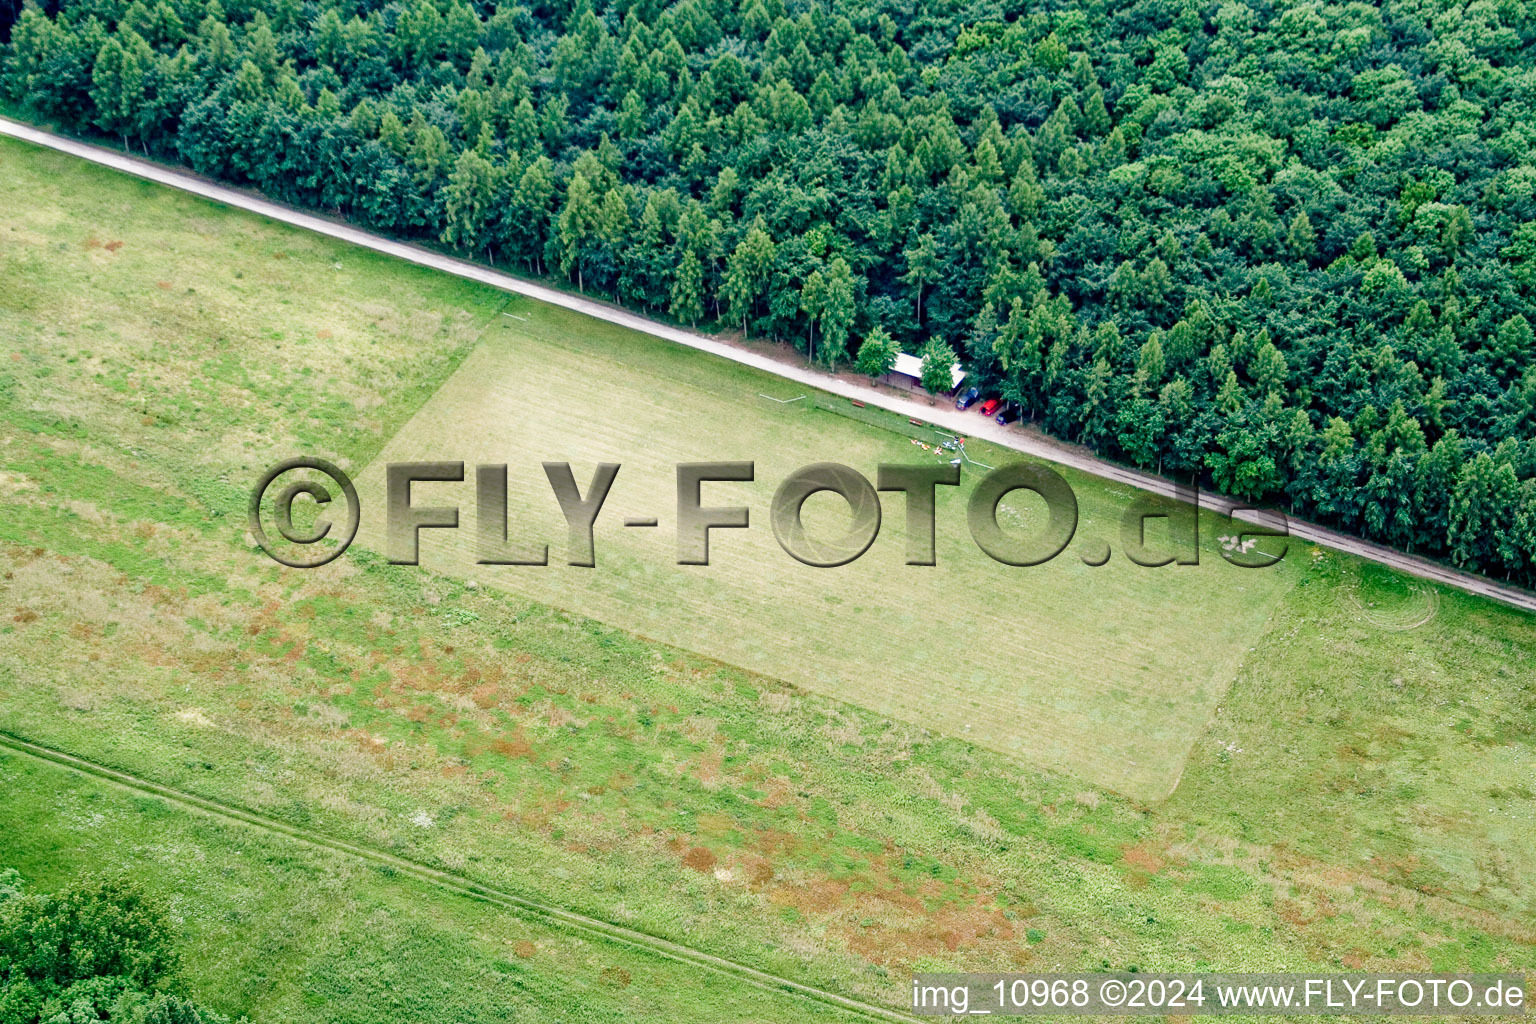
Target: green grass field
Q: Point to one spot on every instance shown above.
(1358, 787)
(1108, 672)
(289, 932)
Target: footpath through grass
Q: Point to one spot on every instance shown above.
(1362, 795)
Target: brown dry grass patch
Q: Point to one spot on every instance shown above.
(515, 745)
(699, 859)
(1142, 858)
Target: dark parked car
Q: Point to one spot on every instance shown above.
(967, 398)
(1008, 415)
(990, 406)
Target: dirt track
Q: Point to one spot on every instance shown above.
(967, 423)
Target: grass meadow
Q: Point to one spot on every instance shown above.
(1352, 750)
(1108, 672)
(284, 931)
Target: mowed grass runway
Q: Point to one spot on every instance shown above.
(1106, 672)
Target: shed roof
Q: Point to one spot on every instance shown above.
(912, 366)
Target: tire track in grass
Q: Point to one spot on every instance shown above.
(545, 913)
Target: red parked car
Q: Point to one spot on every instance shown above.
(990, 406)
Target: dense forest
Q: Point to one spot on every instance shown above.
(1285, 246)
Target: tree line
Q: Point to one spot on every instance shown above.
(1282, 246)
